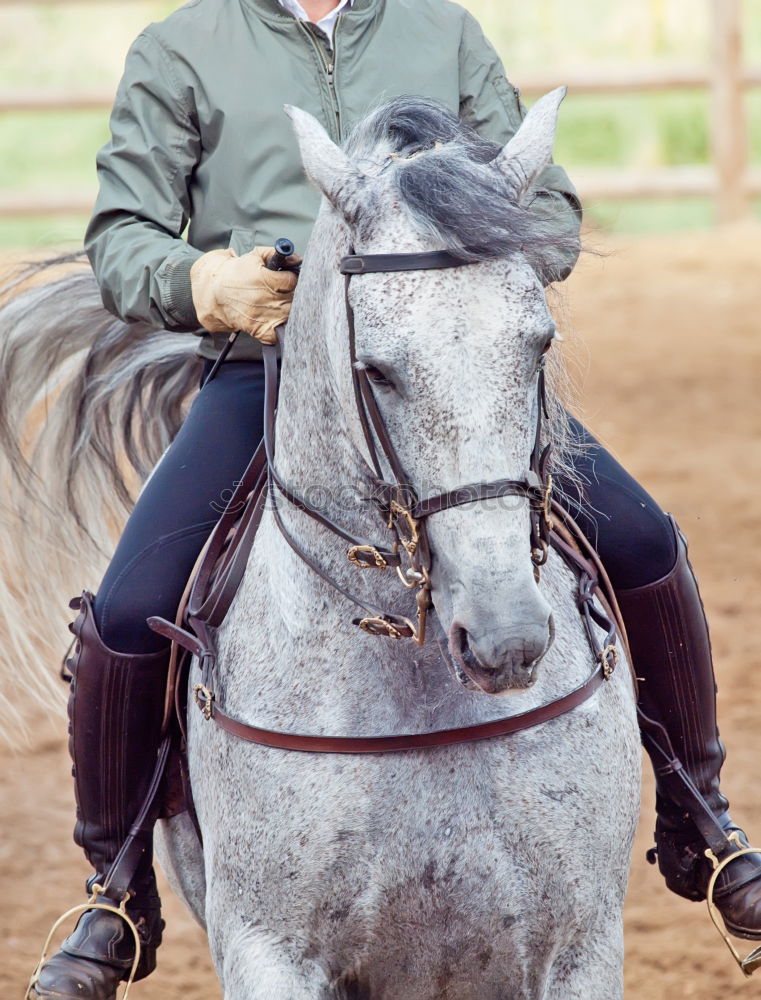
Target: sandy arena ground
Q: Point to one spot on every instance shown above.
(668, 330)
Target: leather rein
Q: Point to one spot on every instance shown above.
(223, 562)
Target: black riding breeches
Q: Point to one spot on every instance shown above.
(187, 492)
(632, 535)
(178, 507)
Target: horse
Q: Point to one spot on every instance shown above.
(492, 869)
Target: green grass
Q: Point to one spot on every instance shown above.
(43, 234)
(84, 46)
(50, 151)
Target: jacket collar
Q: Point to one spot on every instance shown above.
(271, 10)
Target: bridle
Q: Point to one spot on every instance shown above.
(404, 513)
(223, 562)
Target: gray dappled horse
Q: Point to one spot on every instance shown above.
(494, 870)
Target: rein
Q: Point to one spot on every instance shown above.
(221, 570)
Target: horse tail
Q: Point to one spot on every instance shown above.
(88, 404)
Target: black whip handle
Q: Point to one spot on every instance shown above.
(277, 262)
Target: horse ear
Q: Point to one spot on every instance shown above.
(530, 149)
(326, 164)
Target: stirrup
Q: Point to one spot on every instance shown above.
(752, 961)
(92, 904)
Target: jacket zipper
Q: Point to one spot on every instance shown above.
(329, 67)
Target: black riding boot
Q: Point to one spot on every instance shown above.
(671, 649)
(115, 710)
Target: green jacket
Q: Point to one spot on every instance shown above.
(199, 135)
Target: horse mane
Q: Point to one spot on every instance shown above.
(461, 204)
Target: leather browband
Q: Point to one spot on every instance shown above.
(383, 262)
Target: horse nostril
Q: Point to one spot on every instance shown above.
(462, 651)
(497, 657)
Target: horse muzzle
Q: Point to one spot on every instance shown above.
(497, 662)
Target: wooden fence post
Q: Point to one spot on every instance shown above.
(729, 129)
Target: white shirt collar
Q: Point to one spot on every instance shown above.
(326, 23)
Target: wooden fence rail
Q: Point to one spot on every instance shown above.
(729, 181)
(627, 82)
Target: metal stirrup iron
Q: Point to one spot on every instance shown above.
(91, 904)
(752, 961)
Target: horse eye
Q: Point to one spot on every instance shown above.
(548, 345)
(376, 376)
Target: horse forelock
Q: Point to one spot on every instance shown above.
(454, 192)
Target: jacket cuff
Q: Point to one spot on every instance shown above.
(173, 278)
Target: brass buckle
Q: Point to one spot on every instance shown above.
(91, 904)
(409, 630)
(410, 544)
(378, 561)
(204, 699)
(752, 961)
(547, 505)
(608, 661)
(380, 627)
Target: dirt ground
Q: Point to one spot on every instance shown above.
(667, 336)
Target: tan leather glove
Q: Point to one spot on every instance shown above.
(241, 293)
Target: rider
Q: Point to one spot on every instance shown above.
(199, 136)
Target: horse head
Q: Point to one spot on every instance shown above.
(454, 355)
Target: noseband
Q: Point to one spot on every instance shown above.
(404, 513)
